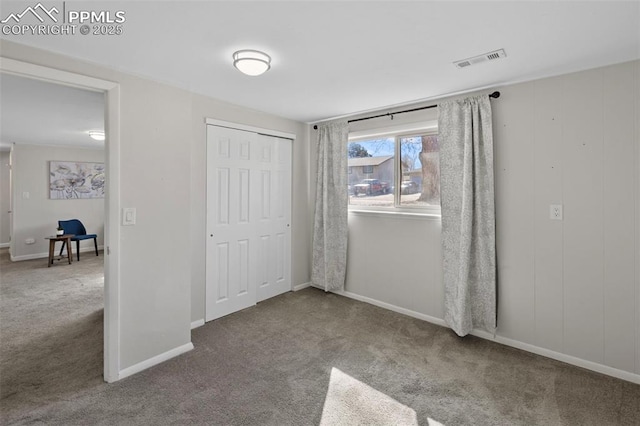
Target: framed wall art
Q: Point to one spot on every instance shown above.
(75, 180)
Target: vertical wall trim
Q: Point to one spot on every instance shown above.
(637, 224)
(562, 240)
(112, 320)
(534, 338)
(604, 248)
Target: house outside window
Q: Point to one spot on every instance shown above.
(395, 173)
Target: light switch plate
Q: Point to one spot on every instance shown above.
(128, 216)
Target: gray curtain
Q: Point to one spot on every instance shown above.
(329, 264)
(468, 214)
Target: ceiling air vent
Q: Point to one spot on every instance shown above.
(491, 56)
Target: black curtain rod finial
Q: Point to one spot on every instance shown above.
(494, 95)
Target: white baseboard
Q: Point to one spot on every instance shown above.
(197, 323)
(154, 361)
(46, 255)
(301, 286)
(394, 308)
(4, 245)
(579, 362)
(558, 356)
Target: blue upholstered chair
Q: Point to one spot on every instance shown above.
(75, 227)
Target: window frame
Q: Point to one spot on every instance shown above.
(397, 208)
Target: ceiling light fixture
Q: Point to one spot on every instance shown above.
(251, 62)
(97, 135)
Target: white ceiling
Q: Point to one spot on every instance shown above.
(37, 112)
(337, 58)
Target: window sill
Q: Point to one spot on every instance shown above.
(396, 214)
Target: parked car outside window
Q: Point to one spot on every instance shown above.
(408, 187)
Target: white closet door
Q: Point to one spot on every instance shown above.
(274, 207)
(248, 219)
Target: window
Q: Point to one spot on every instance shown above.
(397, 172)
(419, 171)
(372, 181)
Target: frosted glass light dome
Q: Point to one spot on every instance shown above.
(251, 62)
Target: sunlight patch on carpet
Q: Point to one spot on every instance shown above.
(351, 402)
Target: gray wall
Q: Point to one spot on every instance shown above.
(37, 217)
(4, 198)
(163, 175)
(571, 286)
(565, 287)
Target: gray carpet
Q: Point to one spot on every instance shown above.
(270, 364)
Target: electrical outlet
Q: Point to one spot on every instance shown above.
(555, 212)
(30, 241)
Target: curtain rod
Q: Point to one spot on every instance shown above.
(494, 95)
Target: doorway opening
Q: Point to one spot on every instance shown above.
(111, 94)
(51, 304)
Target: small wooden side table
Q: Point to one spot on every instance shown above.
(66, 239)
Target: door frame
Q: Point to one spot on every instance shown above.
(112, 197)
(262, 131)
